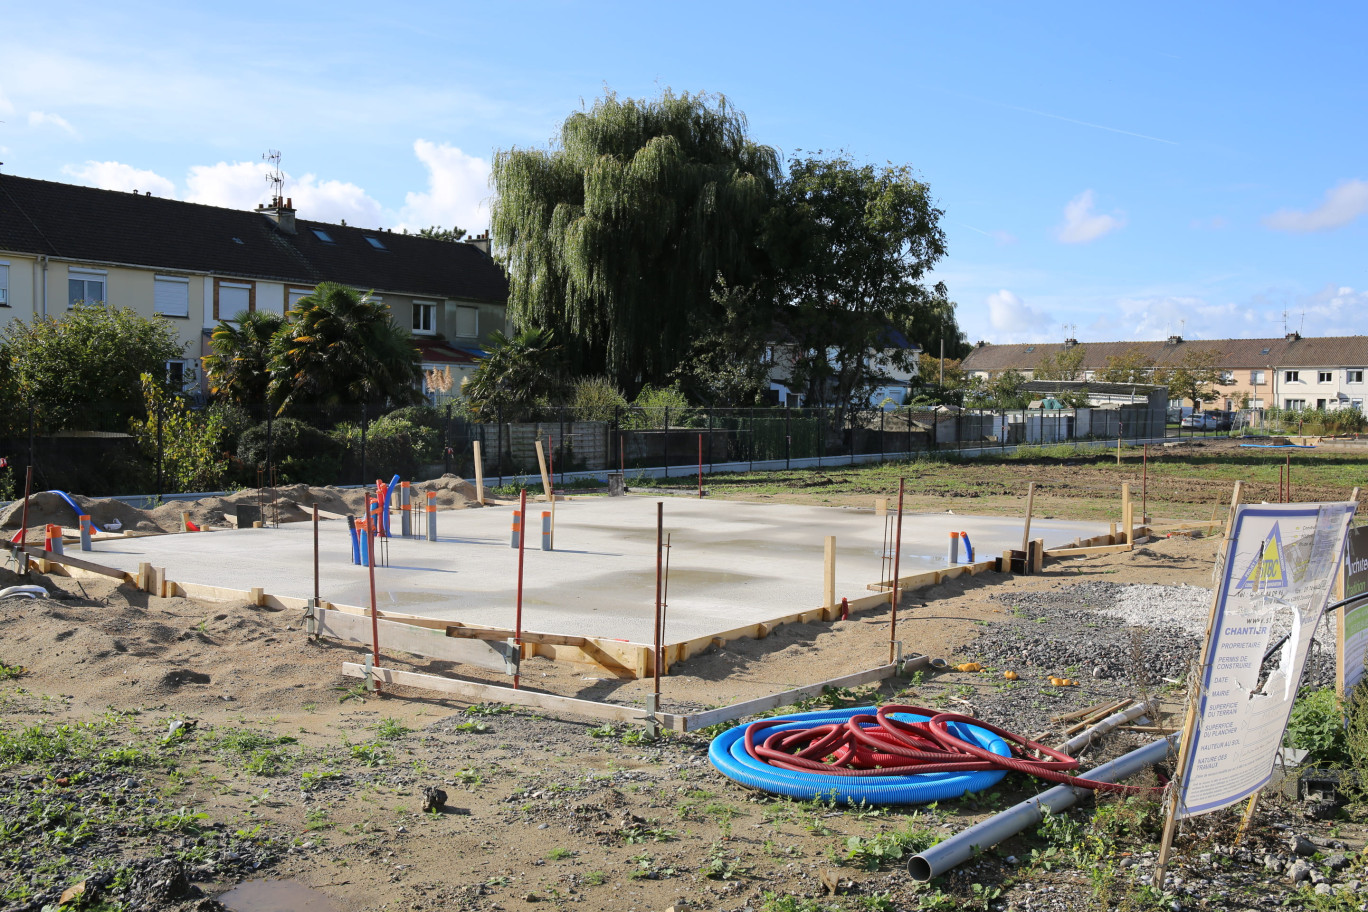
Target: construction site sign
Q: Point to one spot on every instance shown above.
(1279, 568)
(1353, 619)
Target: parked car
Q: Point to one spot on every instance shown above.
(1201, 421)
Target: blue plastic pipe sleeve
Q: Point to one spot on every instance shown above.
(728, 754)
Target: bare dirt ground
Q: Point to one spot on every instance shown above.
(162, 751)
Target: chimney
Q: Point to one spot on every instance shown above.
(1175, 340)
(1070, 343)
(1293, 336)
(481, 241)
(281, 211)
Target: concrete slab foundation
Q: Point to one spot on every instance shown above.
(731, 563)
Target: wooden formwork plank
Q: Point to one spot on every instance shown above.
(78, 563)
(471, 692)
(695, 721)
(421, 641)
(1089, 551)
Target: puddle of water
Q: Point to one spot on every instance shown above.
(275, 896)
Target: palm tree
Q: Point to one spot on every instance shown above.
(341, 348)
(519, 373)
(238, 369)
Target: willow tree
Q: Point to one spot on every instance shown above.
(615, 235)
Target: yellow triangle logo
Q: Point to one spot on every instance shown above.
(1266, 570)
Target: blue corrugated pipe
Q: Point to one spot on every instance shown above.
(728, 754)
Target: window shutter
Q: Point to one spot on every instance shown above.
(467, 322)
(171, 296)
(232, 300)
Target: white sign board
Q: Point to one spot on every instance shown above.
(1278, 572)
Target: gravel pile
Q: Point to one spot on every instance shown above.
(1095, 628)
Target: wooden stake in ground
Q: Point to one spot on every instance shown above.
(522, 542)
(658, 640)
(479, 473)
(1127, 527)
(1190, 722)
(546, 476)
(829, 573)
(1030, 505)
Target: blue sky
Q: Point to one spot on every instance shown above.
(1106, 172)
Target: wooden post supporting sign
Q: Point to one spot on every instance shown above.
(479, 474)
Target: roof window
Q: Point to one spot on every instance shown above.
(1265, 351)
(375, 242)
(1029, 349)
(237, 240)
(322, 235)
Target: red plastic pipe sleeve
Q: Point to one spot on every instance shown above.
(880, 745)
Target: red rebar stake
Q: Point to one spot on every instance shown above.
(700, 465)
(517, 622)
(897, 554)
(1144, 489)
(375, 620)
(23, 522)
(1289, 479)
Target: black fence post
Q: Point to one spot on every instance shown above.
(560, 414)
(363, 443)
(446, 440)
(788, 434)
(621, 445)
(667, 442)
(270, 446)
(161, 415)
(883, 430)
(498, 441)
(751, 448)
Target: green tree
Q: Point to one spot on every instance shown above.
(596, 399)
(438, 233)
(1194, 377)
(342, 348)
(520, 374)
(614, 235)
(1064, 364)
(84, 371)
(929, 371)
(192, 457)
(1003, 391)
(726, 365)
(238, 368)
(1131, 366)
(865, 239)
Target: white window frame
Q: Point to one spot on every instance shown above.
(87, 276)
(4, 283)
(1353, 375)
(1356, 403)
(473, 312)
(185, 370)
(1325, 376)
(1292, 376)
(292, 296)
(429, 310)
(179, 282)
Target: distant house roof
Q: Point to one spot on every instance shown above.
(116, 227)
(437, 352)
(1292, 351)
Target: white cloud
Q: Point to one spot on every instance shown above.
(333, 201)
(1343, 203)
(42, 118)
(1335, 310)
(111, 175)
(239, 185)
(457, 193)
(1215, 223)
(1082, 225)
(1012, 319)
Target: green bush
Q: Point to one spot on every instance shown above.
(596, 399)
(302, 453)
(394, 446)
(1317, 726)
(649, 409)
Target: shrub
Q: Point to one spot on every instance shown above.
(596, 399)
(649, 409)
(302, 453)
(1317, 726)
(394, 446)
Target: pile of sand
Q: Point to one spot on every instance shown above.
(292, 503)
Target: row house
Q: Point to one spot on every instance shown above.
(1291, 372)
(195, 265)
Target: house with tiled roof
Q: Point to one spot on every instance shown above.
(1290, 372)
(196, 264)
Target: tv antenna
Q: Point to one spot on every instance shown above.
(274, 177)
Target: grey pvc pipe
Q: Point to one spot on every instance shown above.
(1084, 738)
(965, 845)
